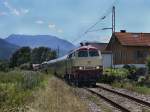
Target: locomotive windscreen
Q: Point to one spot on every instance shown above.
(82, 53)
(93, 53)
(88, 53)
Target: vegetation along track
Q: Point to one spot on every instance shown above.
(119, 100)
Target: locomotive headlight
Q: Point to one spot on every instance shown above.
(80, 68)
(98, 67)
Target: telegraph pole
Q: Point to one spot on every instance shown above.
(58, 51)
(113, 31)
(113, 20)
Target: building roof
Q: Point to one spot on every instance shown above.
(133, 39)
(99, 46)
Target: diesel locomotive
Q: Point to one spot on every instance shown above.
(81, 66)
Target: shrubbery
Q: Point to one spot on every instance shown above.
(16, 87)
(144, 81)
(111, 75)
(129, 77)
(131, 73)
(134, 72)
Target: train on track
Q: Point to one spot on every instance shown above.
(81, 66)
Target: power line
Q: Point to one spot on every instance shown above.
(103, 17)
(99, 20)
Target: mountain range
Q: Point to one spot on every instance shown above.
(6, 49)
(14, 41)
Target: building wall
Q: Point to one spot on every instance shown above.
(107, 60)
(127, 54)
(137, 55)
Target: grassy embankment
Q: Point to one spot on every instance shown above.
(27, 91)
(122, 78)
(57, 97)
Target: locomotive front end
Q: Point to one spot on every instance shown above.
(88, 65)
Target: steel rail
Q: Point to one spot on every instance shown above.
(125, 95)
(120, 107)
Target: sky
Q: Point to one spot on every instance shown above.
(69, 19)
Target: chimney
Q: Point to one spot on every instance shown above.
(123, 31)
(141, 35)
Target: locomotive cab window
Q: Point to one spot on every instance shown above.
(83, 53)
(93, 53)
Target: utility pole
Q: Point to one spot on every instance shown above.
(113, 20)
(57, 51)
(113, 31)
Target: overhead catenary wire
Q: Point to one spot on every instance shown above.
(97, 22)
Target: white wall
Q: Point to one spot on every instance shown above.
(137, 65)
(107, 60)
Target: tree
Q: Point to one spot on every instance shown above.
(21, 56)
(42, 54)
(4, 66)
(25, 56)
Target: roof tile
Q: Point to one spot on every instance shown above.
(133, 39)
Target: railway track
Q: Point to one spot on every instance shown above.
(123, 102)
(140, 101)
(120, 107)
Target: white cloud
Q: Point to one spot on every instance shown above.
(25, 11)
(11, 9)
(60, 31)
(55, 28)
(52, 26)
(39, 22)
(15, 11)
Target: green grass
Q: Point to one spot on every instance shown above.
(119, 78)
(132, 87)
(16, 88)
(120, 72)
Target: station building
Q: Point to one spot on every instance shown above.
(129, 48)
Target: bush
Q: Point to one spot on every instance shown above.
(134, 72)
(131, 68)
(144, 81)
(138, 73)
(111, 75)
